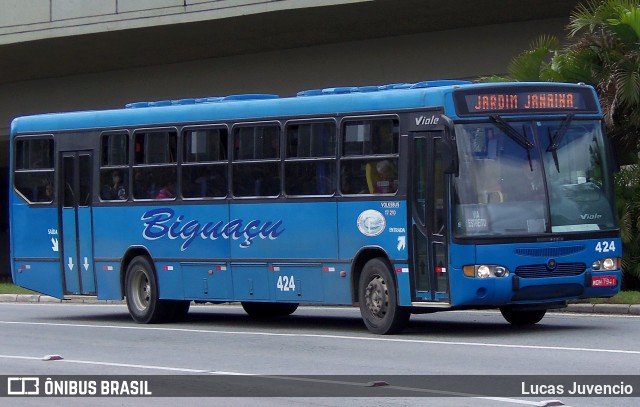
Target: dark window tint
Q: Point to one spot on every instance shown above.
(114, 167)
(204, 169)
(256, 161)
(34, 163)
(155, 168)
(310, 159)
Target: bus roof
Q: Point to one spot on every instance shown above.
(328, 101)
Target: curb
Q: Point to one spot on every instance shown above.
(614, 309)
(580, 308)
(34, 298)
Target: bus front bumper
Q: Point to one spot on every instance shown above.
(515, 290)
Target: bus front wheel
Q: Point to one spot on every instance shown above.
(378, 299)
(141, 290)
(522, 317)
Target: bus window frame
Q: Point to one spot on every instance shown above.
(329, 158)
(232, 160)
(226, 163)
(53, 169)
(126, 168)
(396, 119)
(174, 164)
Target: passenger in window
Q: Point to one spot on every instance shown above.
(115, 189)
(385, 181)
(167, 192)
(48, 193)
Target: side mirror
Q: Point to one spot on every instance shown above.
(450, 160)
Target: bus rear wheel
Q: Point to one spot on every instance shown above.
(269, 309)
(378, 299)
(141, 290)
(522, 317)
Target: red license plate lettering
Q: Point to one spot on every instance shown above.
(604, 281)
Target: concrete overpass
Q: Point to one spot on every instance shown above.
(60, 55)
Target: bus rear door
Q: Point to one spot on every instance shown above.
(75, 214)
(430, 273)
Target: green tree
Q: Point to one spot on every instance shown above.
(603, 50)
(628, 202)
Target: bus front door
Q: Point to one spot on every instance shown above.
(430, 274)
(75, 214)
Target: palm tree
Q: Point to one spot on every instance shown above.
(603, 51)
(608, 46)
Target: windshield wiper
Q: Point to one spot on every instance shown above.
(562, 130)
(511, 132)
(555, 140)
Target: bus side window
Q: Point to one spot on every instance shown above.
(114, 167)
(369, 157)
(310, 159)
(256, 161)
(155, 164)
(204, 159)
(33, 169)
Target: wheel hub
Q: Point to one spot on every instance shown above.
(377, 297)
(143, 295)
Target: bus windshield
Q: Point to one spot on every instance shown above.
(532, 177)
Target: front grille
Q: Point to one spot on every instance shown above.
(549, 251)
(542, 271)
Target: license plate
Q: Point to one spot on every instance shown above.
(604, 281)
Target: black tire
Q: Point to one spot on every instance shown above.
(269, 309)
(141, 290)
(378, 299)
(522, 317)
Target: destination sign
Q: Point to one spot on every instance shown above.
(511, 100)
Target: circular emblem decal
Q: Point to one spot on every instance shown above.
(371, 223)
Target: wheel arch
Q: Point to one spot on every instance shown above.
(360, 259)
(131, 253)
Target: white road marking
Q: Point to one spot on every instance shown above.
(327, 336)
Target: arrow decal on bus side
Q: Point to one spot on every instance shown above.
(402, 242)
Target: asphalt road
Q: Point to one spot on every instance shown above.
(219, 341)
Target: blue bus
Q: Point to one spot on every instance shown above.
(401, 199)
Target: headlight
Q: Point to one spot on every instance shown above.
(485, 271)
(500, 271)
(610, 263)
